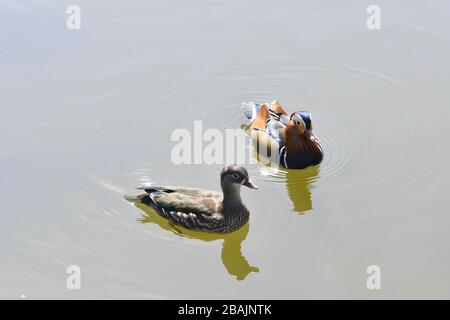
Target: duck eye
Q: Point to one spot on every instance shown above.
(235, 176)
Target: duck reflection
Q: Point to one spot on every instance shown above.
(232, 257)
(299, 184)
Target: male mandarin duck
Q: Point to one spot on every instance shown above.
(199, 209)
(291, 136)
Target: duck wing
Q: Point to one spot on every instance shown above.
(185, 200)
(192, 212)
(193, 192)
(277, 115)
(266, 142)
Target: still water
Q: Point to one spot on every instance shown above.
(88, 114)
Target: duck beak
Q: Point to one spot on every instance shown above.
(250, 184)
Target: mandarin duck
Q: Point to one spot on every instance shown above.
(287, 138)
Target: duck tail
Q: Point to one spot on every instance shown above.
(250, 110)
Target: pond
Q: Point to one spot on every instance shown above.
(88, 115)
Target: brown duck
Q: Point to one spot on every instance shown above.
(199, 209)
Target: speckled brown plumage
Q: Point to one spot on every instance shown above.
(199, 209)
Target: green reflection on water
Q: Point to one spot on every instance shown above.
(299, 184)
(232, 257)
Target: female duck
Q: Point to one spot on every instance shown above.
(291, 138)
(199, 209)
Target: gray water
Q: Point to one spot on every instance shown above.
(88, 114)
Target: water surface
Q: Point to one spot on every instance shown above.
(87, 115)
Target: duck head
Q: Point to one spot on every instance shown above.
(235, 176)
(301, 120)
